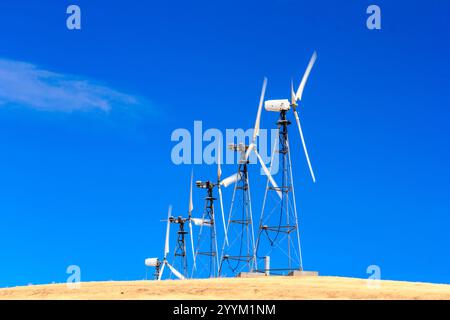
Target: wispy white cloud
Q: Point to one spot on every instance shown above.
(26, 84)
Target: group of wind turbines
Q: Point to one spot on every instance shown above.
(278, 224)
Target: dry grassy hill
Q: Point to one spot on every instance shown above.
(235, 288)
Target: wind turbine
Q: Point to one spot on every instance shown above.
(208, 218)
(286, 218)
(282, 106)
(240, 218)
(180, 250)
(253, 146)
(166, 250)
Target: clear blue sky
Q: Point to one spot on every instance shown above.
(81, 185)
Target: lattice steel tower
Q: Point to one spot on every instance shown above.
(207, 241)
(180, 258)
(279, 223)
(239, 254)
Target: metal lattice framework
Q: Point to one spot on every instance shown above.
(239, 254)
(279, 222)
(278, 225)
(207, 239)
(179, 256)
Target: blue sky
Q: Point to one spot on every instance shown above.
(86, 118)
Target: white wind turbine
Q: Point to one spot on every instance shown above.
(284, 105)
(284, 222)
(166, 251)
(208, 219)
(253, 147)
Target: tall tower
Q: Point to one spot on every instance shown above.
(239, 254)
(180, 253)
(180, 258)
(278, 226)
(206, 249)
(207, 246)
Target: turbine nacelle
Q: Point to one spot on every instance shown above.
(152, 262)
(277, 105)
(285, 104)
(241, 147)
(203, 184)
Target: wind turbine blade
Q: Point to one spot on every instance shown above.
(297, 119)
(219, 169)
(191, 204)
(269, 176)
(258, 115)
(166, 246)
(192, 244)
(223, 214)
(249, 150)
(175, 272)
(292, 92)
(161, 271)
(229, 180)
(201, 222)
(298, 95)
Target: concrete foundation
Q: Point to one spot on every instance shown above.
(251, 274)
(299, 273)
(295, 273)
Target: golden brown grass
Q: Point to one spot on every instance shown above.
(235, 288)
